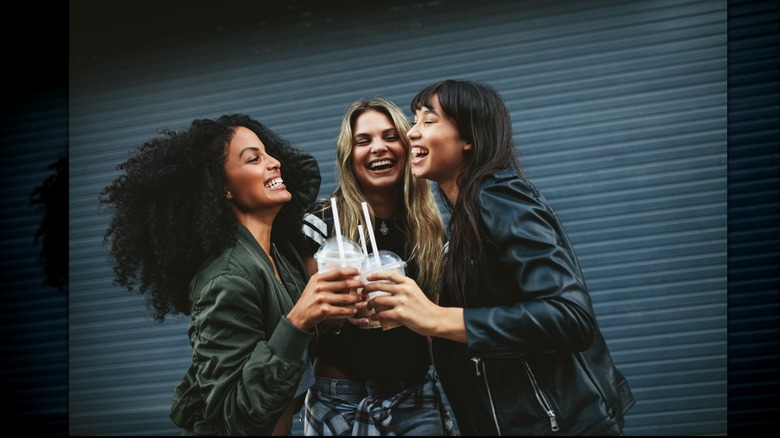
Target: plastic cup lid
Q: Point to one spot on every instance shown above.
(351, 249)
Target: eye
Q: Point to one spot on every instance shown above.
(392, 138)
(254, 159)
(362, 142)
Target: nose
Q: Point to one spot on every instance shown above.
(273, 163)
(378, 147)
(413, 132)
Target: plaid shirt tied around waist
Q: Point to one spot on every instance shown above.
(329, 415)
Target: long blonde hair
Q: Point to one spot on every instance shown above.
(424, 227)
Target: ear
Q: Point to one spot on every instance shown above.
(467, 146)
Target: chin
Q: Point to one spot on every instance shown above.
(284, 198)
(418, 172)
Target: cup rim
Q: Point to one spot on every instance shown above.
(386, 267)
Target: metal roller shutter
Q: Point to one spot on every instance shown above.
(754, 217)
(34, 316)
(619, 111)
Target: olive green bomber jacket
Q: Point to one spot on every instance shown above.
(247, 358)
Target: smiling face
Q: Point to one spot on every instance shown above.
(378, 153)
(254, 180)
(437, 150)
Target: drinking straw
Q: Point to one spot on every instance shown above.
(371, 233)
(362, 240)
(337, 225)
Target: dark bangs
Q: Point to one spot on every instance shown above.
(460, 100)
(424, 97)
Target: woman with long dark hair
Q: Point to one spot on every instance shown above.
(515, 338)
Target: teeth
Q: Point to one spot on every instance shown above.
(276, 182)
(381, 163)
(418, 151)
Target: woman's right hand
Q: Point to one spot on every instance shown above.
(408, 305)
(326, 296)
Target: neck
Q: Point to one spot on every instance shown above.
(260, 228)
(450, 189)
(385, 204)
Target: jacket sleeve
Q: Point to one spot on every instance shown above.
(550, 309)
(246, 379)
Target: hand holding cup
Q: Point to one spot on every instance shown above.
(333, 254)
(386, 261)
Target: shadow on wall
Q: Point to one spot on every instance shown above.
(51, 197)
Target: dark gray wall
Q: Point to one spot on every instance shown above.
(754, 217)
(34, 311)
(620, 116)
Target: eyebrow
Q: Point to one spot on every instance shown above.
(251, 148)
(392, 129)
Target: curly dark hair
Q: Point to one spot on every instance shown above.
(170, 213)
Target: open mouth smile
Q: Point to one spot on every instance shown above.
(381, 164)
(419, 152)
(274, 183)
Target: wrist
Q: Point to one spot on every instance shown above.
(300, 323)
(450, 324)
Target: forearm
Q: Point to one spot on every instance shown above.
(448, 323)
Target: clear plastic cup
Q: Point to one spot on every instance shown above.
(330, 256)
(390, 261)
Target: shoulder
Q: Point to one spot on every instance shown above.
(321, 208)
(317, 224)
(508, 186)
(509, 178)
(509, 203)
(236, 268)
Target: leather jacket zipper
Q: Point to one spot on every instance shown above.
(477, 361)
(541, 398)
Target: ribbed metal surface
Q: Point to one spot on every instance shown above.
(619, 111)
(754, 217)
(34, 315)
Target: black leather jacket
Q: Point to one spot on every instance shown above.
(535, 362)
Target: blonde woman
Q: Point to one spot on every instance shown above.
(371, 381)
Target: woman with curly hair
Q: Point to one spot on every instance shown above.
(204, 225)
(368, 380)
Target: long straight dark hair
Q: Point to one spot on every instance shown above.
(482, 119)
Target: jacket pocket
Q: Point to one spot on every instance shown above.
(543, 399)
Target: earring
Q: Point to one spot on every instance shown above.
(228, 195)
